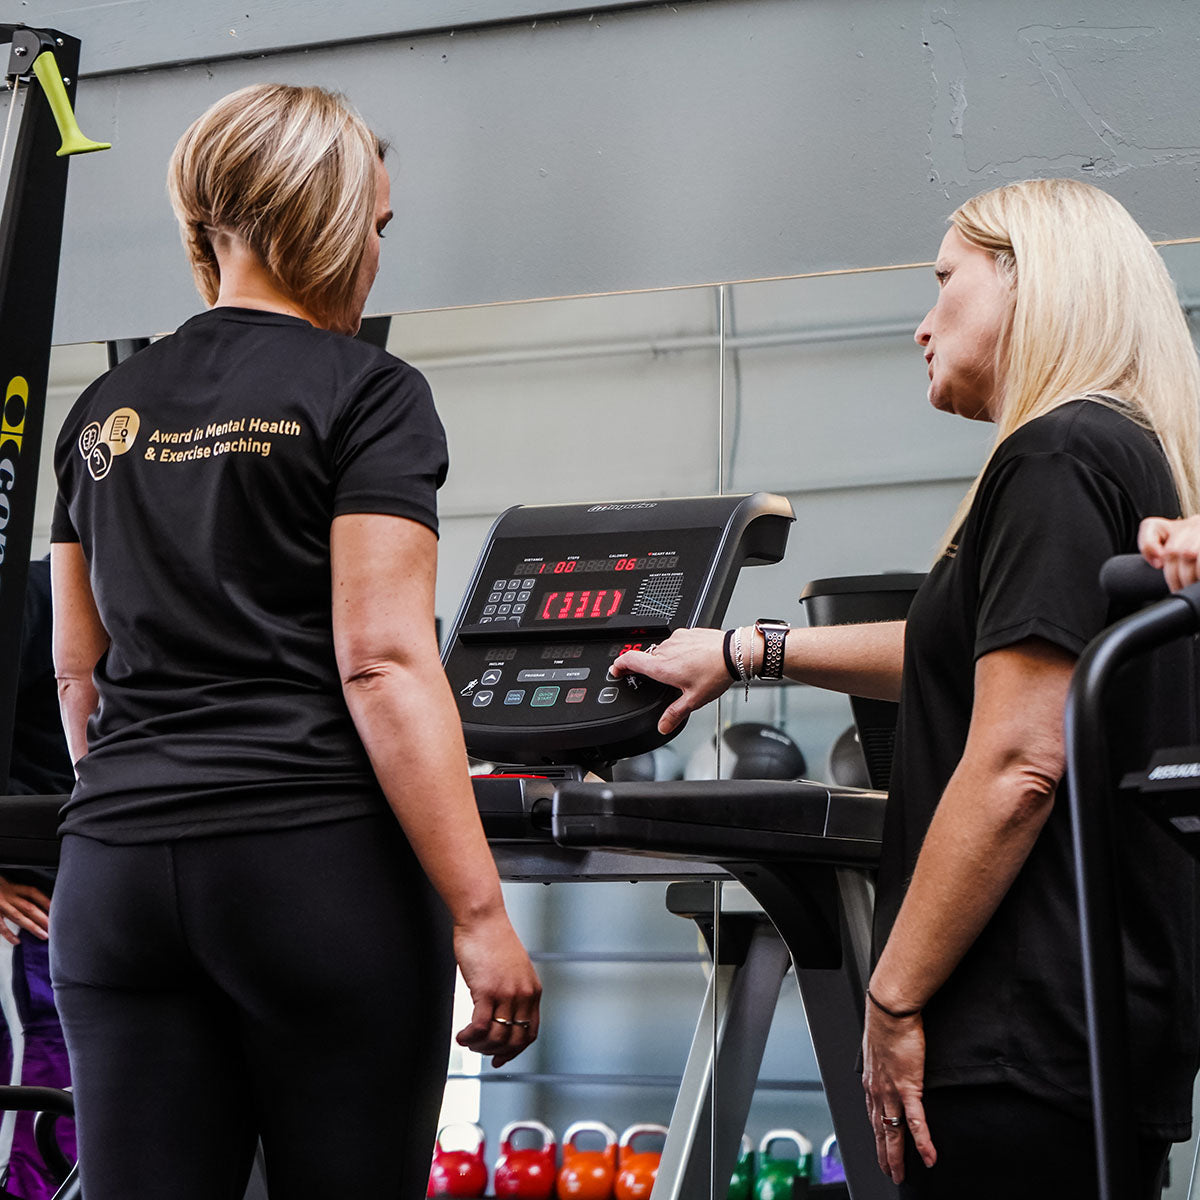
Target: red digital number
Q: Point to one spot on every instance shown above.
(544, 615)
(616, 602)
(625, 649)
(565, 611)
(581, 607)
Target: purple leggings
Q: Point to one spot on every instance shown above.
(44, 1065)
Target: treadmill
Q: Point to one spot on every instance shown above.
(558, 592)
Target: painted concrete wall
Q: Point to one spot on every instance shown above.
(660, 145)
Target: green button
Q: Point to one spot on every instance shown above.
(544, 697)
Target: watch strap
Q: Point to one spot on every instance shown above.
(774, 640)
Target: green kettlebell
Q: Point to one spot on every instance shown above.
(741, 1182)
(782, 1178)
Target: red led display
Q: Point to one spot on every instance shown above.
(583, 605)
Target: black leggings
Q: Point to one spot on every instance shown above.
(996, 1142)
(294, 985)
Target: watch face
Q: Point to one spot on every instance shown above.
(771, 623)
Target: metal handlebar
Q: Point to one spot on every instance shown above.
(1090, 794)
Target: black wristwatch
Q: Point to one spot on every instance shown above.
(774, 635)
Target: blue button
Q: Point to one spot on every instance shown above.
(482, 699)
(488, 678)
(515, 696)
(544, 697)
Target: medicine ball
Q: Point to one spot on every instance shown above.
(750, 750)
(847, 763)
(663, 763)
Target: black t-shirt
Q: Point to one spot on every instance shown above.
(201, 477)
(1061, 494)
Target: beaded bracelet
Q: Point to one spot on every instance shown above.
(740, 660)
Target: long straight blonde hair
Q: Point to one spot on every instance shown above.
(290, 170)
(1094, 313)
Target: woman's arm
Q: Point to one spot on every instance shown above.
(403, 709)
(79, 640)
(1173, 547)
(862, 660)
(993, 809)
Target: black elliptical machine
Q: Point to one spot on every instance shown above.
(1168, 790)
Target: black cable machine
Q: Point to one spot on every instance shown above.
(43, 66)
(40, 135)
(1168, 790)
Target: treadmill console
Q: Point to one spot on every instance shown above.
(561, 590)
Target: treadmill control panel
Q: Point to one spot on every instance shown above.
(560, 591)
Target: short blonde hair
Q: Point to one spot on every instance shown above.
(291, 171)
(1094, 313)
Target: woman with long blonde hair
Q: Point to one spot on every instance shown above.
(272, 855)
(1056, 321)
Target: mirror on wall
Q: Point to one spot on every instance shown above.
(811, 388)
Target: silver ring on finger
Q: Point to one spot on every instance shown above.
(652, 648)
(893, 1122)
(506, 1021)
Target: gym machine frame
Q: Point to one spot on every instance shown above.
(1092, 822)
(46, 62)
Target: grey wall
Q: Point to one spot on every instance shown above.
(642, 147)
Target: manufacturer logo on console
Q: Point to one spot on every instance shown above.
(1189, 770)
(622, 507)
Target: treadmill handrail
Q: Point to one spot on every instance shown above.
(1094, 852)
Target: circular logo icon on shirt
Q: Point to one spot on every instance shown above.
(100, 444)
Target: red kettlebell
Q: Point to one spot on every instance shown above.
(525, 1172)
(587, 1174)
(458, 1172)
(637, 1169)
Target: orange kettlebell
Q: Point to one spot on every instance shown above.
(636, 1169)
(587, 1174)
(525, 1172)
(458, 1172)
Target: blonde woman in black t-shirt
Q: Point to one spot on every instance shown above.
(1056, 321)
(272, 856)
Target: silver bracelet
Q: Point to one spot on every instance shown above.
(739, 660)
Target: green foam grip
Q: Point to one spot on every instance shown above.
(45, 67)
